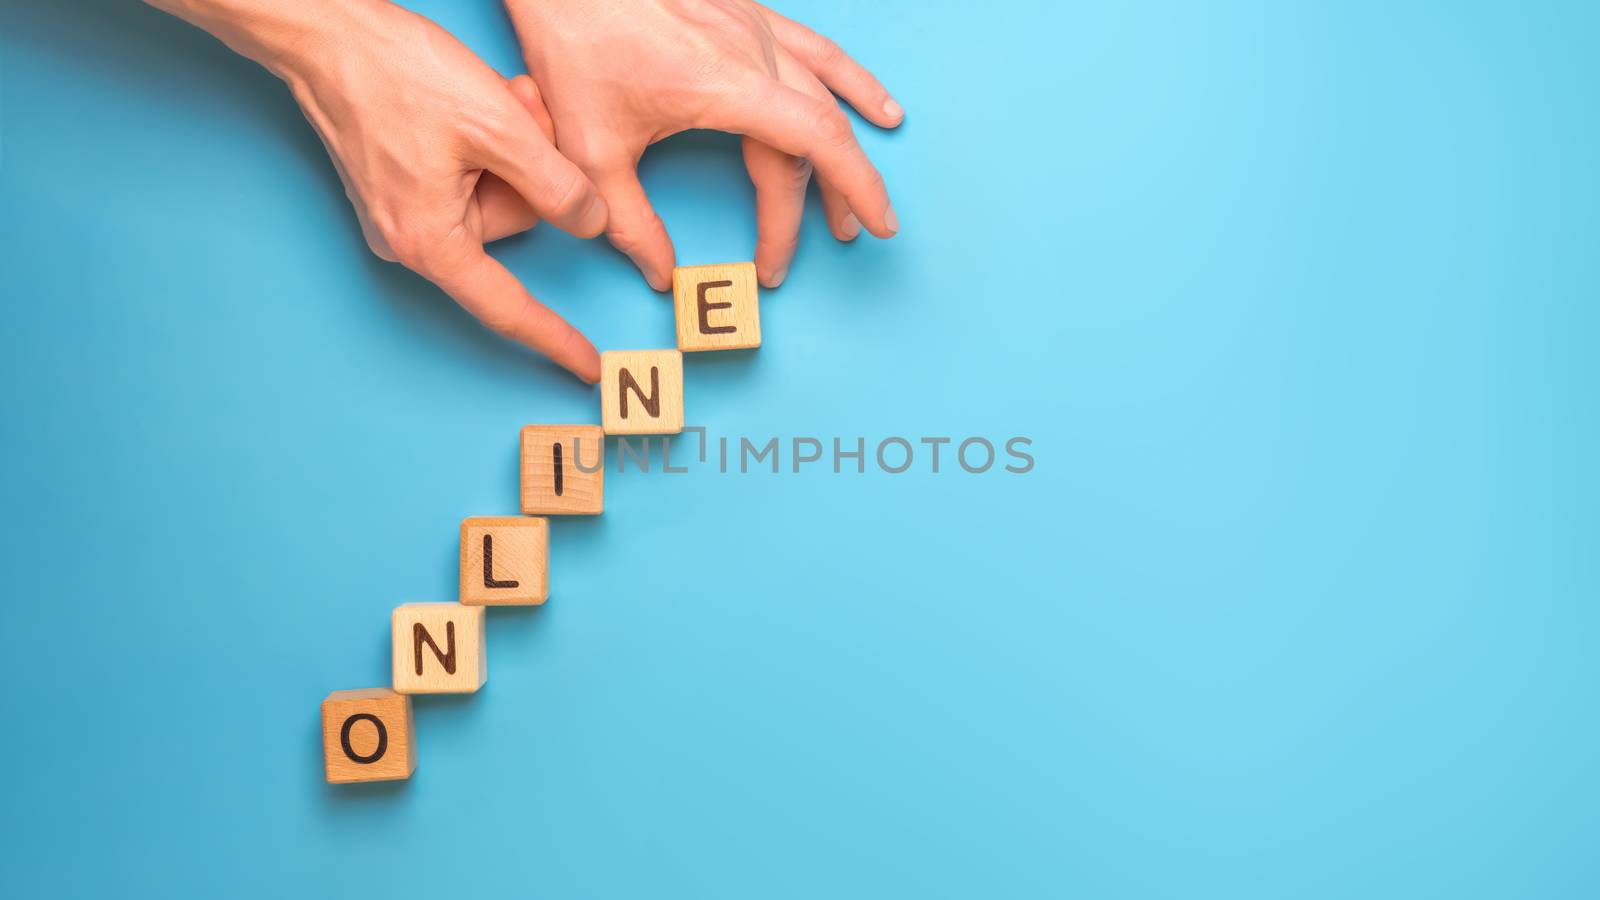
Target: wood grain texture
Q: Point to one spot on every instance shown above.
(367, 735)
(505, 561)
(641, 391)
(427, 660)
(717, 307)
(574, 492)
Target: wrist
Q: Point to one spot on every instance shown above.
(287, 37)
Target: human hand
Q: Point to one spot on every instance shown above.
(437, 151)
(619, 75)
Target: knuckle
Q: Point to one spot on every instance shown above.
(500, 123)
(782, 247)
(826, 50)
(833, 129)
(511, 141)
(381, 251)
(634, 233)
(568, 195)
(389, 238)
(798, 171)
(495, 120)
(505, 322)
(417, 247)
(376, 242)
(626, 236)
(410, 250)
(620, 238)
(565, 345)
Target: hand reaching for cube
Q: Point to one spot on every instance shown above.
(439, 154)
(619, 75)
(437, 151)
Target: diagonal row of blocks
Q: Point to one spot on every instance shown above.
(369, 735)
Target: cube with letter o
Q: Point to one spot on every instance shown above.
(367, 736)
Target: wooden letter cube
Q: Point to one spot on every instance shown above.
(641, 391)
(716, 307)
(439, 649)
(367, 736)
(505, 561)
(563, 470)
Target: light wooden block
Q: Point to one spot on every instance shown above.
(554, 460)
(716, 307)
(367, 736)
(641, 391)
(439, 649)
(505, 561)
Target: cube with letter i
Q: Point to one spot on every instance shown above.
(716, 307)
(563, 470)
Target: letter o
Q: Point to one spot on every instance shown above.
(383, 738)
(961, 454)
(903, 466)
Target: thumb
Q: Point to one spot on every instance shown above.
(526, 90)
(557, 190)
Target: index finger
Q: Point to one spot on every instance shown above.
(490, 292)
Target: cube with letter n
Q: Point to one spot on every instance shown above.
(439, 649)
(641, 391)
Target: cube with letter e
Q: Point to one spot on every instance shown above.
(716, 307)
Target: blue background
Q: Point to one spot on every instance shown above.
(1296, 301)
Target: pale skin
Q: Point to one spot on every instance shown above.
(439, 154)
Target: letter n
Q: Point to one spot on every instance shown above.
(651, 404)
(420, 636)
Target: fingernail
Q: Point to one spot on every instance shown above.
(892, 109)
(851, 226)
(891, 220)
(593, 220)
(778, 277)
